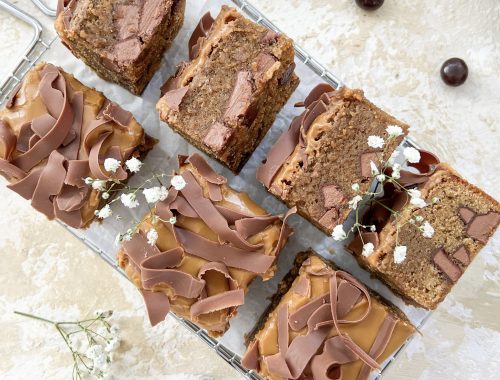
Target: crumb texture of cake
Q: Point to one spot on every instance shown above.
(314, 164)
(225, 99)
(122, 40)
(212, 242)
(325, 325)
(461, 218)
(54, 133)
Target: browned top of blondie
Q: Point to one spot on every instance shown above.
(118, 29)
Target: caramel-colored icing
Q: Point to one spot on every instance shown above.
(363, 333)
(216, 322)
(28, 105)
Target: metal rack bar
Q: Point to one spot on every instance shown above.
(45, 8)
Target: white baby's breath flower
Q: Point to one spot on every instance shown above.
(375, 142)
(88, 181)
(368, 249)
(396, 171)
(436, 200)
(152, 236)
(178, 182)
(411, 154)
(115, 330)
(94, 351)
(339, 233)
(111, 164)
(416, 199)
(380, 177)
(353, 203)
(419, 218)
(104, 212)
(99, 185)
(129, 200)
(411, 221)
(155, 194)
(418, 202)
(427, 230)
(399, 254)
(105, 195)
(373, 228)
(394, 130)
(133, 164)
(112, 345)
(374, 168)
(172, 220)
(355, 187)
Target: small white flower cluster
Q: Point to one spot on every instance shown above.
(155, 194)
(380, 172)
(152, 236)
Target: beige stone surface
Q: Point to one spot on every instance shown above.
(395, 55)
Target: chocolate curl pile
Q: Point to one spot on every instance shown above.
(231, 251)
(57, 189)
(319, 315)
(316, 103)
(394, 198)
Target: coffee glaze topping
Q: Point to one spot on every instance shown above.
(54, 133)
(203, 264)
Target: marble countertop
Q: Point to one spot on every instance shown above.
(394, 54)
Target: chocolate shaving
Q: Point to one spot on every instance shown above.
(335, 353)
(183, 207)
(25, 187)
(302, 287)
(116, 113)
(71, 198)
(76, 172)
(426, 167)
(71, 148)
(49, 184)
(197, 245)
(250, 359)
(446, 265)
(23, 139)
(205, 170)
(254, 225)
(379, 345)
(209, 214)
(54, 138)
(173, 98)
(201, 31)
(232, 215)
(157, 305)
(10, 171)
(221, 301)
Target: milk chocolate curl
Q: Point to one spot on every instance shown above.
(252, 226)
(302, 287)
(327, 366)
(217, 302)
(201, 31)
(197, 245)
(157, 305)
(116, 113)
(250, 359)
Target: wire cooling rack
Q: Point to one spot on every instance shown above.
(39, 44)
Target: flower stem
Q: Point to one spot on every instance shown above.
(34, 317)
